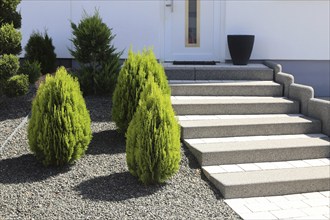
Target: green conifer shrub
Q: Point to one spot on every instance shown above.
(130, 83)
(59, 130)
(17, 85)
(10, 40)
(9, 65)
(40, 48)
(97, 56)
(9, 13)
(153, 137)
(32, 69)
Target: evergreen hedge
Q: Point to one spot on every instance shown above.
(10, 43)
(153, 137)
(131, 82)
(59, 130)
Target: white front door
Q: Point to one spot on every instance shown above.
(192, 30)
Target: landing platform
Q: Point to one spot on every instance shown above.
(220, 71)
(170, 65)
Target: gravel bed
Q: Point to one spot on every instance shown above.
(99, 186)
(12, 113)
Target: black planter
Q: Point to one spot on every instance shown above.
(240, 48)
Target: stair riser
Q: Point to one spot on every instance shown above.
(234, 75)
(250, 130)
(272, 189)
(218, 74)
(275, 91)
(253, 156)
(236, 109)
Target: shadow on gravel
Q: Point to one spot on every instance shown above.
(18, 107)
(193, 163)
(26, 169)
(99, 108)
(115, 187)
(107, 142)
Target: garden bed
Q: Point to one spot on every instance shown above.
(98, 186)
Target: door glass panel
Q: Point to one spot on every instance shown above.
(192, 23)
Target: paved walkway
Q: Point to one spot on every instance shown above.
(314, 206)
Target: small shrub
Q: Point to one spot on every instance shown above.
(9, 13)
(9, 65)
(32, 69)
(153, 137)
(17, 85)
(93, 49)
(40, 48)
(59, 129)
(10, 40)
(130, 83)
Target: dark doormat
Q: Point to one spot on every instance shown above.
(194, 62)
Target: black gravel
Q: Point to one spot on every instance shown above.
(99, 186)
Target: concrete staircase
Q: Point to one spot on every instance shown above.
(248, 138)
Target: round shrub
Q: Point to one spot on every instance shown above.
(32, 69)
(130, 83)
(59, 130)
(10, 40)
(97, 56)
(153, 138)
(40, 48)
(17, 85)
(9, 65)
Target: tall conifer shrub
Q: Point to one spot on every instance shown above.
(40, 48)
(153, 137)
(59, 129)
(96, 54)
(131, 82)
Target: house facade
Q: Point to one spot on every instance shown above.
(292, 33)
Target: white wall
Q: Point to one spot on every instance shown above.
(135, 22)
(52, 16)
(286, 30)
(290, 29)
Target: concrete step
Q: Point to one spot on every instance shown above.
(225, 88)
(215, 126)
(235, 105)
(220, 71)
(271, 182)
(218, 151)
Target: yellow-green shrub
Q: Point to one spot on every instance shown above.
(59, 129)
(131, 82)
(153, 137)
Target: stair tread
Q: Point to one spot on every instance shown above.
(225, 120)
(252, 144)
(252, 138)
(203, 100)
(271, 176)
